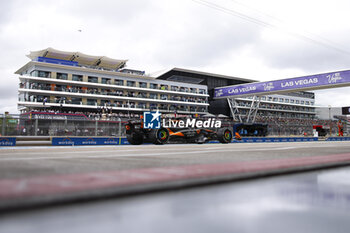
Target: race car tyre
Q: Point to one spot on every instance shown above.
(201, 139)
(224, 135)
(135, 138)
(159, 136)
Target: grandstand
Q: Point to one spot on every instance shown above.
(300, 105)
(78, 93)
(71, 81)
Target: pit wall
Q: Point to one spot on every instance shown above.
(88, 141)
(94, 141)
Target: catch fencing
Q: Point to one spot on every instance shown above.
(60, 125)
(81, 125)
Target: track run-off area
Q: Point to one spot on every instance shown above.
(44, 175)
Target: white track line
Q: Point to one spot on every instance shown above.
(152, 149)
(117, 155)
(162, 150)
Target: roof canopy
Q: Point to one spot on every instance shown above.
(81, 58)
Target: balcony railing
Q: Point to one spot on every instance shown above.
(67, 103)
(95, 91)
(120, 84)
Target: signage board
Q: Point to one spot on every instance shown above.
(345, 110)
(318, 81)
(87, 141)
(7, 141)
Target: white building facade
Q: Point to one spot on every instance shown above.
(73, 81)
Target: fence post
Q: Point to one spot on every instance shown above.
(96, 127)
(120, 128)
(65, 127)
(36, 127)
(3, 125)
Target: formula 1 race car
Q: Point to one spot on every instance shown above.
(137, 135)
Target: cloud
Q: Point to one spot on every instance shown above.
(6, 12)
(8, 105)
(333, 97)
(106, 12)
(308, 56)
(156, 35)
(197, 36)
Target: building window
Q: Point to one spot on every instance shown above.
(62, 76)
(118, 82)
(131, 104)
(76, 100)
(291, 101)
(43, 74)
(58, 99)
(104, 91)
(118, 104)
(143, 85)
(92, 79)
(153, 106)
(202, 91)
(78, 78)
(164, 87)
(131, 83)
(182, 108)
(153, 85)
(141, 105)
(302, 102)
(297, 101)
(105, 103)
(106, 80)
(142, 95)
(152, 96)
(163, 107)
(174, 88)
(287, 100)
(34, 73)
(91, 102)
(60, 88)
(131, 94)
(281, 100)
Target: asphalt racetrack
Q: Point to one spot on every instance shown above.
(204, 188)
(42, 161)
(45, 175)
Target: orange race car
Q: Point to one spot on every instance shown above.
(137, 134)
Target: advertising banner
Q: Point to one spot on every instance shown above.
(276, 139)
(7, 141)
(272, 139)
(338, 139)
(327, 80)
(87, 141)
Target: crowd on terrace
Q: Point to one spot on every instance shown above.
(107, 114)
(110, 92)
(282, 121)
(101, 114)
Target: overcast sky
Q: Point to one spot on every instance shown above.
(261, 40)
